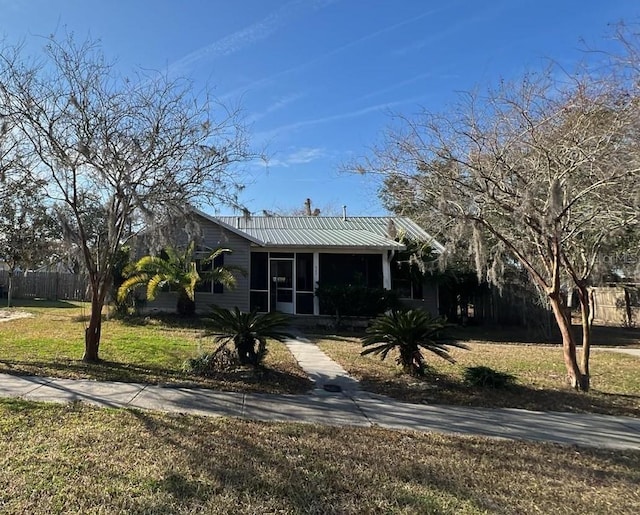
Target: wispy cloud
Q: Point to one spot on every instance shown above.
(452, 29)
(276, 106)
(397, 85)
(300, 156)
(247, 36)
(265, 81)
(267, 135)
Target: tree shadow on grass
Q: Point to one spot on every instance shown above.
(242, 379)
(601, 335)
(442, 389)
(236, 462)
(171, 320)
(614, 336)
(247, 467)
(41, 303)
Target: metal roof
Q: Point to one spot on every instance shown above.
(326, 231)
(346, 238)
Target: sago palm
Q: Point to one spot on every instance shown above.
(248, 331)
(409, 332)
(177, 270)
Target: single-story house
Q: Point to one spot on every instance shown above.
(285, 257)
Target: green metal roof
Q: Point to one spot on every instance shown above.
(356, 232)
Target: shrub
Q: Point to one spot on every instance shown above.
(355, 300)
(248, 332)
(409, 332)
(487, 377)
(208, 363)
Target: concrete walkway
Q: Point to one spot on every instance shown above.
(325, 373)
(337, 409)
(336, 400)
(621, 350)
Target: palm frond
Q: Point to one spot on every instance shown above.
(249, 331)
(409, 331)
(155, 283)
(214, 254)
(130, 284)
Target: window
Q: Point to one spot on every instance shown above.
(304, 303)
(406, 280)
(218, 262)
(304, 272)
(259, 271)
(204, 267)
(355, 269)
(259, 301)
(259, 282)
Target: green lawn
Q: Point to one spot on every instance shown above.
(79, 459)
(150, 350)
(153, 350)
(538, 369)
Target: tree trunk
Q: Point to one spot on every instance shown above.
(185, 306)
(245, 348)
(92, 332)
(627, 308)
(10, 289)
(585, 313)
(568, 343)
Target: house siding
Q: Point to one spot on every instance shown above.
(227, 233)
(213, 236)
(429, 302)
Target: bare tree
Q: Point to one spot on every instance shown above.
(133, 152)
(306, 210)
(27, 230)
(534, 171)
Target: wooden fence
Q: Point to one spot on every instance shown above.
(617, 305)
(46, 285)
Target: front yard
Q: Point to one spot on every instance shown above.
(79, 459)
(151, 350)
(538, 370)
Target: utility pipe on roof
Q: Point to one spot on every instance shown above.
(344, 213)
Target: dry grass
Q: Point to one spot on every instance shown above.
(152, 350)
(77, 459)
(538, 369)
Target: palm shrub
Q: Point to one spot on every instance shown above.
(248, 332)
(409, 332)
(487, 377)
(209, 363)
(177, 270)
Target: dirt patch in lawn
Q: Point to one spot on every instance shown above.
(8, 314)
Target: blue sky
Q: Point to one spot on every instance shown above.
(318, 79)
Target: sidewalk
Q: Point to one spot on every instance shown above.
(620, 350)
(337, 409)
